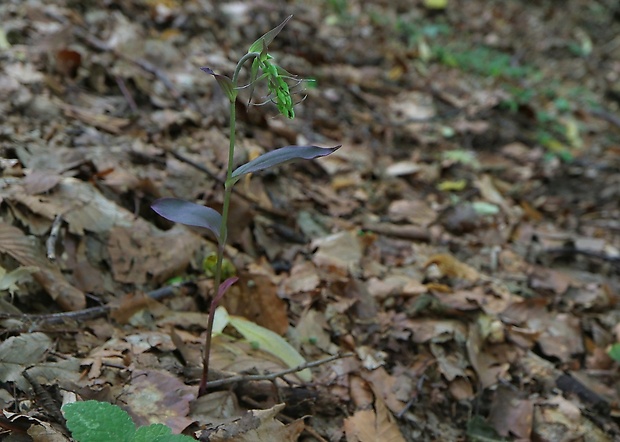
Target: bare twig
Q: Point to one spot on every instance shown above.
(568, 251)
(92, 312)
(279, 374)
(130, 101)
(400, 231)
(606, 115)
(50, 244)
(44, 398)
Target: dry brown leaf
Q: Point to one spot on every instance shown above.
(19, 352)
(108, 123)
(22, 249)
(453, 268)
(141, 252)
(511, 414)
(341, 250)
(361, 394)
(560, 419)
(40, 181)
(562, 336)
(491, 362)
(413, 211)
(548, 281)
(37, 429)
(461, 389)
(312, 329)
(388, 388)
(79, 203)
(129, 305)
(214, 409)
(256, 426)
(303, 278)
(434, 330)
(156, 396)
(255, 298)
(373, 425)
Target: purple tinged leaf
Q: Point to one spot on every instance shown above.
(260, 44)
(279, 156)
(190, 214)
(224, 82)
(224, 288)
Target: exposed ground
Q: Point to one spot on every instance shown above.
(463, 244)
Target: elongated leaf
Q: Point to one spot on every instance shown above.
(225, 286)
(272, 343)
(266, 39)
(279, 156)
(225, 83)
(190, 214)
(220, 321)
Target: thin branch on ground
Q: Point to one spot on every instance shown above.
(50, 244)
(94, 312)
(279, 374)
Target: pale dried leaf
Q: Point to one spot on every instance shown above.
(373, 426)
(22, 249)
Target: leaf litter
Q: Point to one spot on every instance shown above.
(462, 243)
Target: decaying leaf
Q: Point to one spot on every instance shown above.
(156, 396)
(451, 267)
(256, 426)
(373, 425)
(21, 248)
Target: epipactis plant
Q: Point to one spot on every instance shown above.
(263, 68)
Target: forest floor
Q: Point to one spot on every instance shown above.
(459, 254)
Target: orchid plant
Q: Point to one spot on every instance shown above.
(263, 68)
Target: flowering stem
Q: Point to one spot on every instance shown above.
(202, 389)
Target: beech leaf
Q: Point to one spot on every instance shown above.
(190, 214)
(279, 156)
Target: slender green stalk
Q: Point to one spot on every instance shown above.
(202, 389)
(246, 57)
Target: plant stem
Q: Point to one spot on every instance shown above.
(246, 57)
(202, 389)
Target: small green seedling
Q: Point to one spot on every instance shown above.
(263, 68)
(93, 421)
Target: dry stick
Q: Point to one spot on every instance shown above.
(92, 312)
(605, 115)
(279, 374)
(50, 244)
(128, 97)
(567, 251)
(45, 399)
